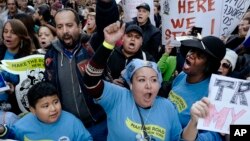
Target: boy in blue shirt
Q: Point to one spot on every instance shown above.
(47, 121)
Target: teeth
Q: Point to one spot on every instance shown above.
(148, 95)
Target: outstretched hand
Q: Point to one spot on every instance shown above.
(114, 32)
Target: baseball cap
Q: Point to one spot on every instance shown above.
(143, 5)
(134, 27)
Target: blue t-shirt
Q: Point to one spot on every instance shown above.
(183, 95)
(66, 128)
(124, 123)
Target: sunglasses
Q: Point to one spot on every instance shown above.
(226, 65)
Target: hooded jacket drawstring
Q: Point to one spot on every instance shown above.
(62, 59)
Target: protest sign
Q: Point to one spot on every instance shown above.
(233, 11)
(30, 70)
(130, 11)
(215, 17)
(229, 98)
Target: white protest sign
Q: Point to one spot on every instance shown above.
(215, 17)
(229, 98)
(30, 70)
(130, 11)
(233, 11)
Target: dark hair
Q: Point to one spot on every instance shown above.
(44, 11)
(77, 19)
(14, 1)
(21, 31)
(247, 19)
(212, 66)
(30, 24)
(158, 6)
(39, 91)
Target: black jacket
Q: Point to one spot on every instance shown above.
(151, 37)
(117, 61)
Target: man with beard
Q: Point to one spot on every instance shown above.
(65, 65)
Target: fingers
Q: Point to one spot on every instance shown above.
(114, 32)
(200, 109)
(113, 27)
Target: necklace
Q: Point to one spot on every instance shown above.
(143, 136)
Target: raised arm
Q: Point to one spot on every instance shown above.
(94, 70)
(106, 14)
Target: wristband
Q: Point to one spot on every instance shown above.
(108, 45)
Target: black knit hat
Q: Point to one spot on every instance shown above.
(144, 5)
(211, 45)
(134, 27)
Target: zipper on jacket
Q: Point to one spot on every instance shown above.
(80, 90)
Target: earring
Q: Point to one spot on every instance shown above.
(21, 44)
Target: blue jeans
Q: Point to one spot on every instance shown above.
(99, 132)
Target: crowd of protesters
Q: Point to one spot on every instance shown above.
(110, 80)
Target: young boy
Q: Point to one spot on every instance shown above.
(47, 121)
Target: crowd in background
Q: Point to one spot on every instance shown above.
(75, 37)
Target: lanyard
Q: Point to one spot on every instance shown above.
(145, 134)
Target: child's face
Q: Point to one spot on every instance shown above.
(47, 109)
(45, 37)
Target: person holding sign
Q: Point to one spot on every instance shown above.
(203, 58)
(16, 44)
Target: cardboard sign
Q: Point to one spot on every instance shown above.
(215, 17)
(229, 98)
(30, 70)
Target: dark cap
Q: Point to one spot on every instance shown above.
(56, 6)
(134, 27)
(210, 45)
(143, 5)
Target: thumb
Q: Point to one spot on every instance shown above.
(123, 27)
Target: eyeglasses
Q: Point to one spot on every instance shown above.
(226, 65)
